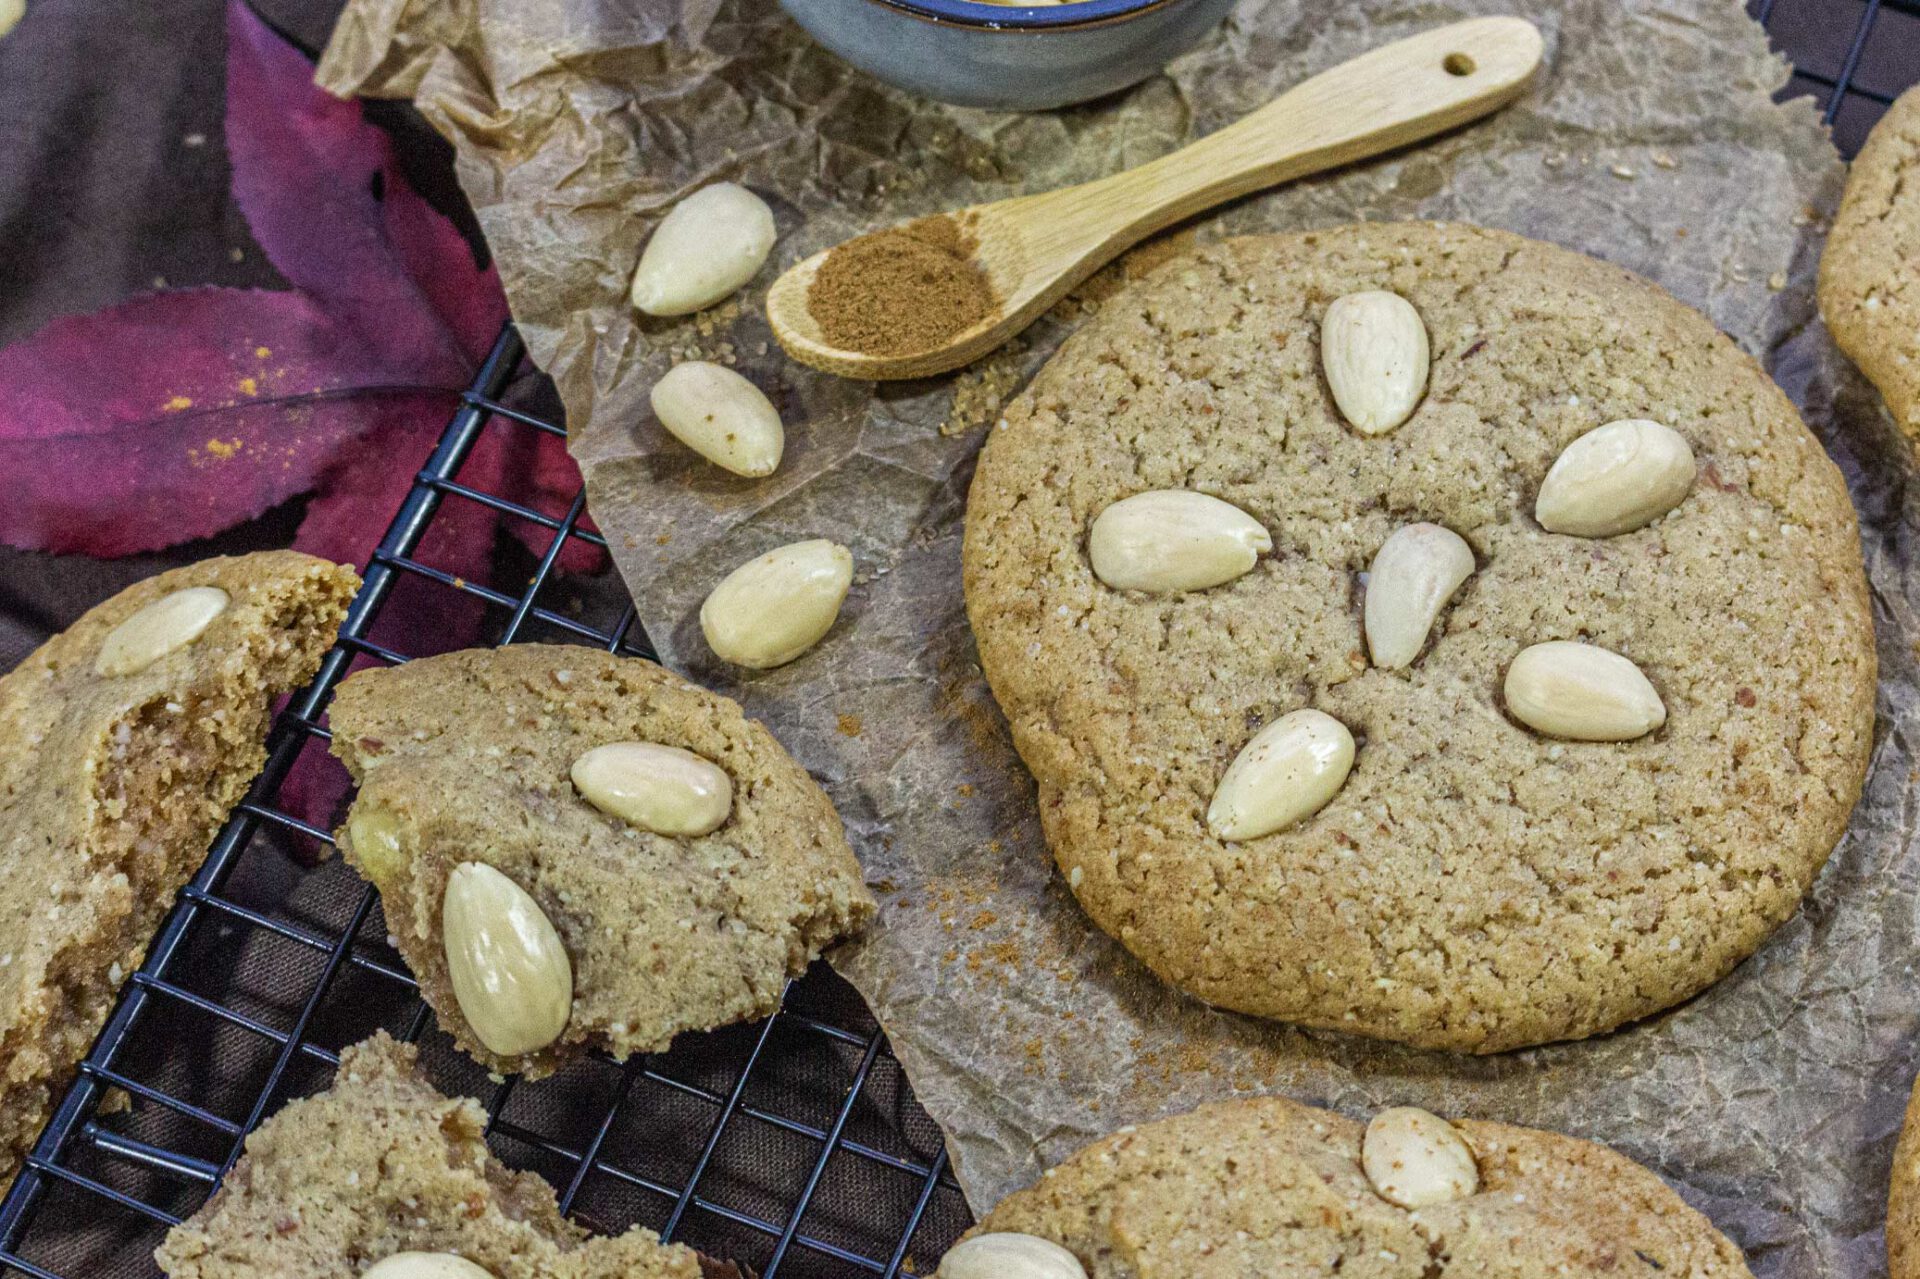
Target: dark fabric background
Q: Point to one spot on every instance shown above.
(114, 180)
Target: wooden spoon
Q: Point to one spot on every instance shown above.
(1034, 248)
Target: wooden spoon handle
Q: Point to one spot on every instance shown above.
(1386, 98)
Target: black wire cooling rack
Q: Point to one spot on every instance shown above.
(793, 1145)
(1853, 56)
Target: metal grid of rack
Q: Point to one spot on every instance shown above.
(792, 1145)
(1853, 56)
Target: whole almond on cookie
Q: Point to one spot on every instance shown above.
(1416, 1159)
(1373, 348)
(1414, 573)
(1582, 692)
(1616, 478)
(426, 1265)
(1008, 1255)
(1287, 773)
(662, 789)
(509, 969)
(1174, 540)
(169, 623)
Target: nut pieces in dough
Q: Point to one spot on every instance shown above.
(1174, 540)
(663, 789)
(510, 972)
(774, 608)
(1415, 1159)
(1583, 693)
(1616, 478)
(721, 416)
(1287, 773)
(1373, 347)
(707, 246)
(1414, 573)
(1009, 1255)
(169, 623)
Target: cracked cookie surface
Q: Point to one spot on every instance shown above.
(1473, 886)
(113, 785)
(1870, 269)
(1265, 1186)
(468, 754)
(382, 1163)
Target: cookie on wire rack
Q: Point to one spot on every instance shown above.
(578, 849)
(1263, 1186)
(124, 743)
(1870, 270)
(1423, 632)
(382, 1165)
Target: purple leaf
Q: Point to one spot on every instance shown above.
(324, 194)
(173, 416)
(176, 415)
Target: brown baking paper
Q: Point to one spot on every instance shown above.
(1650, 139)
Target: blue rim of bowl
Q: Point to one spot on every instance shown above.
(997, 17)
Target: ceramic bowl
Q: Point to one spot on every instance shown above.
(1008, 58)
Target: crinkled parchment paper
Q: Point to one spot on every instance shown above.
(1650, 140)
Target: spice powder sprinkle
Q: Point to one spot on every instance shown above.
(900, 291)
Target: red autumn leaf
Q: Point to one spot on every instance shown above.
(196, 410)
(326, 198)
(191, 411)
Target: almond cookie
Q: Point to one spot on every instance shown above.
(124, 741)
(577, 849)
(1903, 1199)
(1267, 1187)
(1870, 270)
(1528, 784)
(382, 1164)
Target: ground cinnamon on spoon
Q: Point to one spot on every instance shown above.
(901, 291)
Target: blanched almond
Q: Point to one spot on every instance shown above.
(1373, 347)
(374, 835)
(510, 972)
(1007, 1255)
(171, 622)
(1583, 693)
(663, 789)
(772, 609)
(1414, 573)
(1415, 1158)
(721, 416)
(425, 1265)
(1616, 478)
(707, 246)
(1287, 773)
(1174, 540)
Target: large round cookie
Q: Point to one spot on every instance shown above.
(1267, 1187)
(1870, 271)
(1474, 885)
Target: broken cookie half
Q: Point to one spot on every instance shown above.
(383, 1173)
(576, 849)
